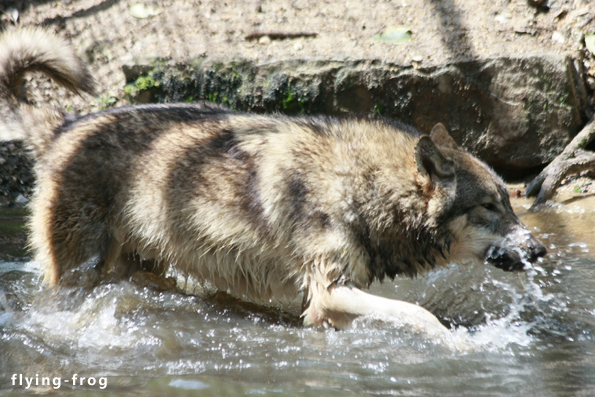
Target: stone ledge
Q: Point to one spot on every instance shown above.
(516, 114)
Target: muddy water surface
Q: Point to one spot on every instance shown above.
(532, 333)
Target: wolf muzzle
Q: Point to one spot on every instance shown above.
(517, 251)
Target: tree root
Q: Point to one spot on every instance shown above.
(571, 161)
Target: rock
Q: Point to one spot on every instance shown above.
(16, 177)
(417, 58)
(21, 199)
(264, 40)
(558, 37)
(503, 18)
(141, 56)
(516, 113)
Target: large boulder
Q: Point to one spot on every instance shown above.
(517, 114)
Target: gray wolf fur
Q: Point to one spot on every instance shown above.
(264, 207)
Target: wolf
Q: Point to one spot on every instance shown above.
(264, 207)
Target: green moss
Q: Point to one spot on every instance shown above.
(145, 82)
(378, 109)
(288, 101)
(20, 253)
(12, 227)
(564, 99)
(197, 63)
(6, 211)
(105, 101)
(212, 97)
(12, 220)
(130, 89)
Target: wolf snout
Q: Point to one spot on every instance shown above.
(516, 251)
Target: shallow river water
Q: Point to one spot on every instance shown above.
(532, 333)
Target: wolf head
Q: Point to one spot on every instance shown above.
(472, 202)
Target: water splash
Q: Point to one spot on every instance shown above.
(125, 330)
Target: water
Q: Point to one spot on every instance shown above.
(533, 333)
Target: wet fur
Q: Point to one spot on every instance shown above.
(266, 207)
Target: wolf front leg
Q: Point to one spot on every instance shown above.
(340, 305)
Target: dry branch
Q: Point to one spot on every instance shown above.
(571, 161)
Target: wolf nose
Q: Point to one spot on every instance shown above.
(538, 251)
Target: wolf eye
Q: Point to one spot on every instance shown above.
(490, 207)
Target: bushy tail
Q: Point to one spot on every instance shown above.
(27, 50)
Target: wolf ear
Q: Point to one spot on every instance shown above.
(429, 159)
(441, 137)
